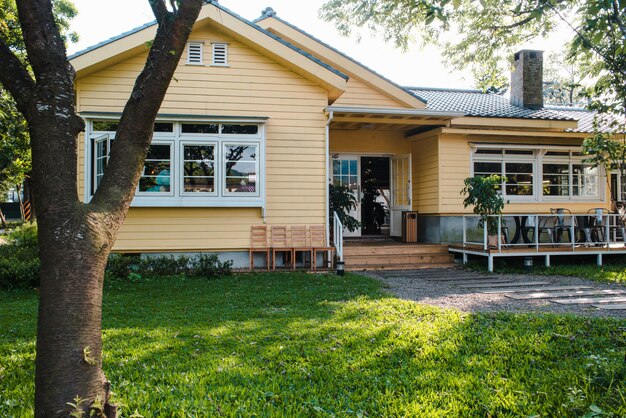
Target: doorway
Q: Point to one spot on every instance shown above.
(369, 180)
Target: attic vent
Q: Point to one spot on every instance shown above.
(194, 53)
(220, 54)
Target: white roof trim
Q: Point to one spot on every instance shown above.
(386, 111)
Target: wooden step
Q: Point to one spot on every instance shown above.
(363, 267)
(398, 259)
(582, 301)
(395, 250)
(612, 306)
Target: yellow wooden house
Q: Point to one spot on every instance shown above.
(261, 116)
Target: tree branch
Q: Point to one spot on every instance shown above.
(136, 125)
(44, 43)
(618, 19)
(159, 9)
(15, 78)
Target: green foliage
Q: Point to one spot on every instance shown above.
(24, 235)
(487, 32)
(483, 193)
(19, 259)
(342, 201)
(320, 346)
(133, 268)
(605, 152)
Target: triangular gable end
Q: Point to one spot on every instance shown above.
(134, 42)
(382, 92)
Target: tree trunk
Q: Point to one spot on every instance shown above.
(69, 343)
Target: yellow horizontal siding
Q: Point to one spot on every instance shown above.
(425, 167)
(255, 86)
(368, 142)
(359, 94)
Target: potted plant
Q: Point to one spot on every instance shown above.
(483, 193)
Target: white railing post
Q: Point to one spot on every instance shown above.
(500, 233)
(485, 239)
(572, 232)
(607, 231)
(338, 236)
(537, 232)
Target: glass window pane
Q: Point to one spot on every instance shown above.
(353, 167)
(336, 166)
(555, 180)
(519, 179)
(240, 129)
(345, 167)
(584, 180)
(156, 175)
(199, 168)
(105, 125)
(487, 168)
(240, 168)
(163, 127)
(199, 128)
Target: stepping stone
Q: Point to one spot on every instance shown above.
(583, 301)
(478, 282)
(612, 307)
(478, 286)
(458, 278)
(535, 289)
(546, 295)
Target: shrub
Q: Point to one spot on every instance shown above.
(124, 267)
(19, 266)
(24, 235)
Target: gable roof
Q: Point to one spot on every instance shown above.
(270, 21)
(129, 43)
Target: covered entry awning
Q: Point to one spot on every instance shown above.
(342, 117)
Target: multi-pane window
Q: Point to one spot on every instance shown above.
(547, 174)
(517, 168)
(211, 160)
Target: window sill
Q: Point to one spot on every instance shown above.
(196, 202)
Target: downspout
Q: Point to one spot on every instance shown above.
(327, 180)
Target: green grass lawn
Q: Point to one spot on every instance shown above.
(314, 345)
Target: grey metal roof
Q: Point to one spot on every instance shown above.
(236, 16)
(477, 103)
(585, 118)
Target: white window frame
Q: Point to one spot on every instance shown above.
(177, 197)
(503, 159)
(105, 137)
(215, 45)
(539, 158)
(199, 45)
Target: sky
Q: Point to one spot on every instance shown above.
(100, 20)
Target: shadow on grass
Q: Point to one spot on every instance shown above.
(307, 345)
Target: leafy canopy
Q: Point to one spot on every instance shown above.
(488, 31)
(483, 193)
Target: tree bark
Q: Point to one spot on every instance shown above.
(75, 238)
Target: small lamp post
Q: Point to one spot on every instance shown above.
(528, 264)
(340, 268)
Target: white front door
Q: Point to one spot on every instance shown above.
(400, 191)
(347, 173)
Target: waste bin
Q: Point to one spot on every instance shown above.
(409, 226)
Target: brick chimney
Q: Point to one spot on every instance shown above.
(527, 79)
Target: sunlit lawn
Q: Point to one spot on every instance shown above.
(310, 345)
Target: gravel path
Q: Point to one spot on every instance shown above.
(446, 295)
